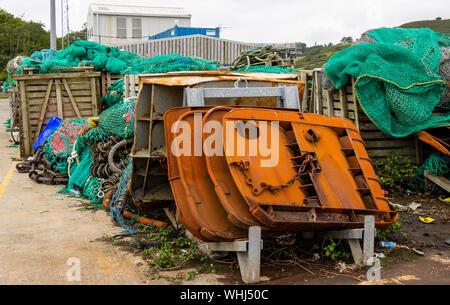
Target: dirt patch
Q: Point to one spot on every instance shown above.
(292, 260)
(424, 237)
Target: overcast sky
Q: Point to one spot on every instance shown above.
(310, 21)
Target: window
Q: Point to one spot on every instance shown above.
(121, 27)
(137, 28)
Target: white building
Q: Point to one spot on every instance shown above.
(120, 24)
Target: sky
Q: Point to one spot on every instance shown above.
(265, 21)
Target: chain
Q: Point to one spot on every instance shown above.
(309, 160)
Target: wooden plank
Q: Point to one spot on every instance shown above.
(385, 152)
(304, 78)
(82, 86)
(38, 88)
(38, 102)
(440, 181)
(330, 103)
(318, 92)
(25, 121)
(44, 106)
(350, 98)
(368, 127)
(375, 135)
(56, 75)
(72, 100)
(355, 105)
(150, 134)
(59, 101)
(34, 121)
(33, 110)
(94, 97)
(408, 143)
(343, 102)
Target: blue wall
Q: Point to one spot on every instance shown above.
(181, 31)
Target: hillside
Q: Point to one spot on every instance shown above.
(442, 26)
(316, 57)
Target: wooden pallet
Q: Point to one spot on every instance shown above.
(65, 95)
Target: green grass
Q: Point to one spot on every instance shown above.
(442, 26)
(316, 57)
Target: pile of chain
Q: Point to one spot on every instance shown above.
(41, 170)
(109, 159)
(261, 56)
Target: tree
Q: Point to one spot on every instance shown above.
(346, 40)
(19, 37)
(72, 37)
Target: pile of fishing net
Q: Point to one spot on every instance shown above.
(160, 64)
(59, 146)
(255, 59)
(83, 53)
(398, 83)
(171, 63)
(90, 166)
(14, 66)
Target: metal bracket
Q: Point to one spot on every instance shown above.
(353, 237)
(287, 96)
(248, 253)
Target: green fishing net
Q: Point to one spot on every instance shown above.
(85, 53)
(115, 121)
(79, 166)
(115, 93)
(59, 145)
(435, 165)
(172, 63)
(397, 79)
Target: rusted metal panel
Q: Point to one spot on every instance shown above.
(322, 178)
(226, 190)
(203, 205)
(335, 184)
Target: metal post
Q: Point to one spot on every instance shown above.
(250, 261)
(369, 238)
(53, 24)
(248, 252)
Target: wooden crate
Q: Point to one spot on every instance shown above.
(65, 95)
(343, 103)
(107, 79)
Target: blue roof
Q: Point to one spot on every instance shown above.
(187, 31)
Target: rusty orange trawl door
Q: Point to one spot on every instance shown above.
(170, 119)
(303, 171)
(200, 196)
(228, 193)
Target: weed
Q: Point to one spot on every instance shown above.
(383, 234)
(396, 173)
(336, 251)
(172, 250)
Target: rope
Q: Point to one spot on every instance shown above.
(435, 165)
